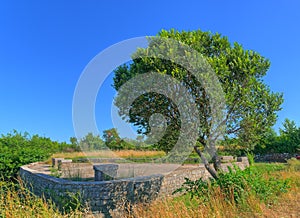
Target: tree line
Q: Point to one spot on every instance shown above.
(17, 149)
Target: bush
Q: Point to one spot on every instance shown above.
(17, 149)
(236, 186)
(250, 157)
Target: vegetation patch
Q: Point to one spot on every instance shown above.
(237, 185)
(18, 149)
(217, 202)
(18, 202)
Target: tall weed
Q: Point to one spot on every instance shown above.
(237, 185)
(293, 164)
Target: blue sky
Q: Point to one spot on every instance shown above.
(45, 45)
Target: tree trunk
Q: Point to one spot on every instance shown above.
(217, 162)
(209, 168)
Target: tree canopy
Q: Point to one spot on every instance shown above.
(250, 106)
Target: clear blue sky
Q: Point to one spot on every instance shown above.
(45, 45)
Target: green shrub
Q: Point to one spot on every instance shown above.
(71, 202)
(55, 172)
(236, 185)
(250, 157)
(17, 149)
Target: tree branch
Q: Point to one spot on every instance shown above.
(206, 164)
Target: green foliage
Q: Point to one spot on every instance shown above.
(111, 140)
(90, 142)
(71, 202)
(198, 188)
(115, 142)
(237, 185)
(250, 157)
(17, 149)
(250, 105)
(55, 172)
(230, 146)
(288, 140)
(290, 136)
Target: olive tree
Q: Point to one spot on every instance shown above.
(249, 105)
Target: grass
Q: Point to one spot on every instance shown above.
(16, 201)
(110, 154)
(137, 156)
(285, 205)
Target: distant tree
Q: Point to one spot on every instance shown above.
(288, 140)
(140, 138)
(74, 141)
(138, 142)
(112, 138)
(268, 142)
(74, 146)
(111, 135)
(91, 142)
(290, 136)
(289, 128)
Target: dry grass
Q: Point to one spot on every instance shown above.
(170, 209)
(111, 154)
(288, 205)
(16, 202)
